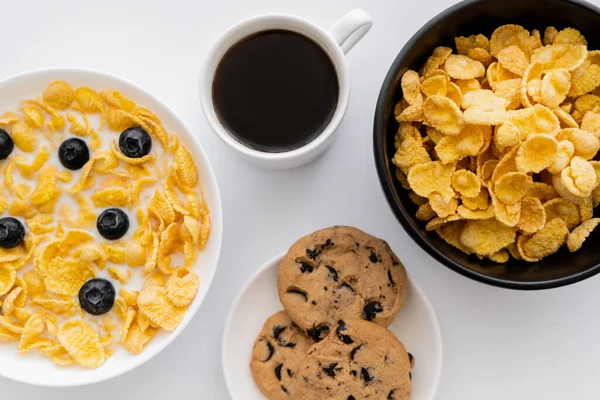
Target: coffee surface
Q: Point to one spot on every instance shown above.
(275, 91)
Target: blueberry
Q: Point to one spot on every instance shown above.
(73, 153)
(112, 223)
(12, 232)
(6, 144)
(135, 142)
(97, 296)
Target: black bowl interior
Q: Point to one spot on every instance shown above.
(464, 19)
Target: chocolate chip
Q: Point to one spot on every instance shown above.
(390, 277)
(277, 329)
(295, 290)
(373, 257)
(304, 266)
(410, 376)
(314, 303)
(284, 389)
(283, 343)
(364, 374)
(392, 395)
(411, 359)
(351, 397)
(357, 244)
(318, 332)
(312, 254)
(370, 309)
(344, 338)
(353, 372)
(271, 351)
(278, 371)
(354, 350)
(347, 286)
(395, 262)
(330, 371)
(332, 273)
(290, 373)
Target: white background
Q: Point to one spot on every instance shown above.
(498, 344)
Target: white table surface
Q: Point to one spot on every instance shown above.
(498, 344)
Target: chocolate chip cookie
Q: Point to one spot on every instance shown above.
(357, 360)
(338, 273)
(276, 354)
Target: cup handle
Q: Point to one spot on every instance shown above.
(351, 28)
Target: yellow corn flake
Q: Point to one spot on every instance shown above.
(554, 87)
(510, 90)
(67, 275)
(149, 158)
(467, 213)
(435, 85)
(32, 330)
(153, 258)
(509, 35)
(581, 233)
(28, 170)
(137, 338)
(130, 297)
(126, 325)
(59, 95)
(409, 153)
(135, 254)
(533, 215)
(442, 207)
(9, 118)
(463, 67)
(119, 275)
(544, 242)
(586, 211)
(112, 197)
(154, 303)
(425, 212)
(443, 114)
(437, 59)
(561, 208)
(8, 305)
(115, 253)
(591, 123)
(480, 55)
(454, 93)
(115, 99)
(564, 153)
(464, 44)
(584, 79)
(579, 178)
(431, 177)
(182, 287)
(506, 214)
(513, 59)
(486, 237)
(35, 284)
(162, 207)
(466, 183)
(33, 117)
(82, 342)
(511, 187)
(557, 56)
(536, 153)
(468, 85)
(24, 137)
(586, 145)
(187, 174)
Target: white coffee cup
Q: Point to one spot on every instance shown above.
(337, 41)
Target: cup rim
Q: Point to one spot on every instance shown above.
(332, 49)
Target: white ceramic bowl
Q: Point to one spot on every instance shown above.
(416, 326)
(36, 370)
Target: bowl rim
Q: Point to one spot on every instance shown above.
(402, 216)
(216, 211)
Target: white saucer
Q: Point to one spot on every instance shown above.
(416, 326)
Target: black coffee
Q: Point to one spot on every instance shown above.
(275, 91)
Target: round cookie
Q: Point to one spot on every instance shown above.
(338, 273)
(277, 351)
(357, 360)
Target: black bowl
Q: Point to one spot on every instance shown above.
(464, 19)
